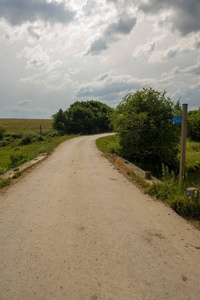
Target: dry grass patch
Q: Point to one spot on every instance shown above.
(25, 125)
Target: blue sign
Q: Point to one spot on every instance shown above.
(176, 120)
(188, 193)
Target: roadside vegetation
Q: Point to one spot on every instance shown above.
(170, 189)
(17, 148)
(146, 137)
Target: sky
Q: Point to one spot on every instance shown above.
(56, 52)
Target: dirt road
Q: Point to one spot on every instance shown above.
(74, 228)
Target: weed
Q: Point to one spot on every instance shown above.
(40, 138)
(27, 139)
(2, 170)
(16, 159)
(2, 132)
(17, 175)
(173, 191)
(5, 182)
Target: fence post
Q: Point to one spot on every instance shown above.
(183, 141)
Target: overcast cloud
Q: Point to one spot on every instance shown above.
(55, 52)
(17, 12)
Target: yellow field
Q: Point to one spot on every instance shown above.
(25, 125)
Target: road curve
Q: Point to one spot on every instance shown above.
(74, 228)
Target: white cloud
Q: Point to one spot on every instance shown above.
(158, 50)
(37, 58)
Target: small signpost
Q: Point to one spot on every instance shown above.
(176, 120)
(182, 120)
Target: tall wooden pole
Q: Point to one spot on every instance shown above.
(183, 141)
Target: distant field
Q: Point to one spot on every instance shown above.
(25, 125)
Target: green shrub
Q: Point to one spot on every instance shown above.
(147, 136)
(17, 135)
(50, 133)
(3, 143)
(193, 127)
(40, 138)
(16, 159)
(2, 132)
(2, 170)
(27, 139)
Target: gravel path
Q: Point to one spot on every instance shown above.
(74, 228)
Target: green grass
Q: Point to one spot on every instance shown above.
(13, 150)
(109, 144)
(25, 125)
(5, 182)
(192, 155)
(28, 152)
(173, 191)
(192, 162)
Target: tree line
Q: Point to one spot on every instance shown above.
(84, 117)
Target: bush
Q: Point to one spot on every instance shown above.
(147, 136)
(3, 143)
(27, 139)
(2, 170)
(2, 132)
(16, 159)
(18, 135)
(50, 133)
(193, 127)
(40, 138)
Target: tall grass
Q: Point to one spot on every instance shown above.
(173, 191)
(109, 144)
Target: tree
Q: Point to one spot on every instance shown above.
(193, 128)
(85, 117)
(59, 121)
(147, 136)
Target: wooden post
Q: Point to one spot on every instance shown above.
(183, 141)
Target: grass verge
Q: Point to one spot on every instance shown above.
(170, 190)
(14, 154)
